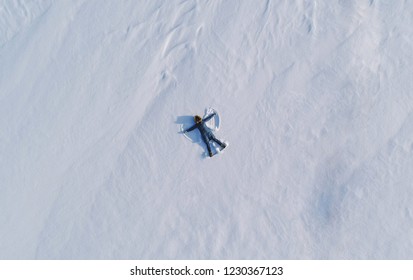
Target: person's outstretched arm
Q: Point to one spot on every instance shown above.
(207, 118)
(190, 129)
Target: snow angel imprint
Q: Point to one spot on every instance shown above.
(206, 133)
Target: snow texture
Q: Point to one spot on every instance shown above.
(316, 99)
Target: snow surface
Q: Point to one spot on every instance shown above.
(315, 98)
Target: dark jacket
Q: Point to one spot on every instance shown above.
(206, 133)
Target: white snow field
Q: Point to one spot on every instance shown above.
(315, 99)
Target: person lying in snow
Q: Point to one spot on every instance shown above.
(206, 133)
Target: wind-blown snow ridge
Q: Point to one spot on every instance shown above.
(15, 15)
(316, 101)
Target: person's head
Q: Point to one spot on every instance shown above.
(197, 119)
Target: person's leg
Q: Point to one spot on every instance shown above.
(223, 145)
(206, 141)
